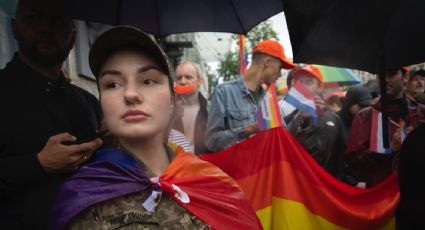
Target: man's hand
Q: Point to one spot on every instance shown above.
(251, 129)
(397, 141)
(56, 157)
(320, 104)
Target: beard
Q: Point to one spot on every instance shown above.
(32, 50)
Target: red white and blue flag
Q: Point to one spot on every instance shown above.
(302, 99)
(376, 135)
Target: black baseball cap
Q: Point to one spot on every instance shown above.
(125, 37)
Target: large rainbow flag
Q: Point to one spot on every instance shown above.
(268, 112)
(289, 190)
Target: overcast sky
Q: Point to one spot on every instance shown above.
(279, 25)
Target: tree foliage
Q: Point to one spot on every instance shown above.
(229, 65)
(261, 32)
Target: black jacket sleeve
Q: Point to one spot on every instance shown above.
(19, 172)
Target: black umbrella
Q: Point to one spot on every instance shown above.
(369, 35)
(361, 34)
(163, 17)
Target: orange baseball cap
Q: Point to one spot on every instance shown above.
(274, 49)
(313, 70)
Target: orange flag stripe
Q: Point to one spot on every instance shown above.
(198, 169)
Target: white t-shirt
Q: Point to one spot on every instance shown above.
(178, 138)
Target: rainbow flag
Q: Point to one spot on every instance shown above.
(268, 112)
(403, 129)
(243, 55)
(289, 190)
(198, 186)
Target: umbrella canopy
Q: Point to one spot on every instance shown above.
(163, 17)
(367, 35)
(336, 77)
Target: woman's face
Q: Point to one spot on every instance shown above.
(134, 95)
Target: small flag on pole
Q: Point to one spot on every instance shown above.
(376, 135)
(243, 55)
(268, 113)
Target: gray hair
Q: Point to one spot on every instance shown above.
(195, 65)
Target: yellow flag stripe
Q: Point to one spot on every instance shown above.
(292, 215)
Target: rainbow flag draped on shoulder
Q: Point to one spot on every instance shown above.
(289, 190)
(268, 112)
(198, 186)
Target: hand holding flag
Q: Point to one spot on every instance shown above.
(400, 134)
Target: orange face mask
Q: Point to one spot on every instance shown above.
(184, 89)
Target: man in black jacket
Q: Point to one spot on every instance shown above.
(48, 126)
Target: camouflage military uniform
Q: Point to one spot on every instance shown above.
(127, 212)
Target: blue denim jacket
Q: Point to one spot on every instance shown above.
(232, 109)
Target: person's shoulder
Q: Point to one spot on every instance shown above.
(113, 213)
(330, 120)
(9, 83)
(367, 112)
(5, 75)
(203, 100)
(329, 115)
(2, 73)
(87, 219)
(421, 107)
(237, 81)
(82, 92)
(229, 84)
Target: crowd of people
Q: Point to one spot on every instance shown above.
(52, 128)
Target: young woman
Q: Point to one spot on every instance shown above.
(143, 182)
